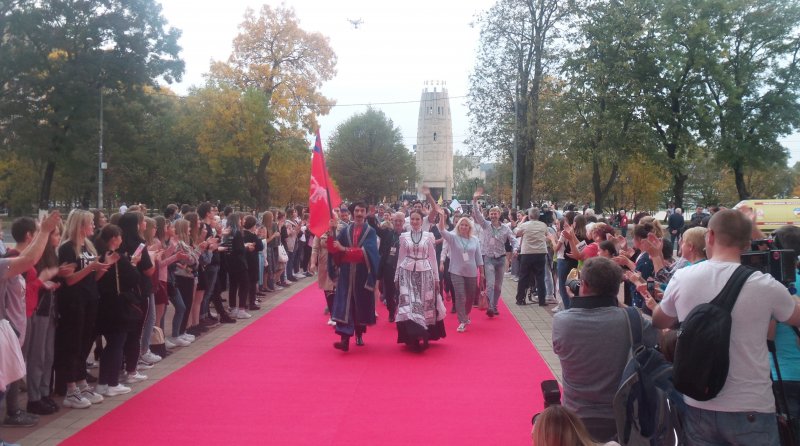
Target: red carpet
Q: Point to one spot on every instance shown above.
(281, 382)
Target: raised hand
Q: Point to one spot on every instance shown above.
(50, 223)
(478, 193)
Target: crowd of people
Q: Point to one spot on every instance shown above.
(102, 285)
(92, 291)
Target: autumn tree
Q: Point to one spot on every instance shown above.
(367, 158)
(57, 56)
(286, 64)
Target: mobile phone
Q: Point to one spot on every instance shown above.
(139, 250)
(651, 287)
(42, 214)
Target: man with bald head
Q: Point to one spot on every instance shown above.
(743, 413)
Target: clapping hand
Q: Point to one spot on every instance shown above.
(478, 193)
(653, 245)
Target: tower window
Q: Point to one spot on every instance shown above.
(434, 136)
(440, 110)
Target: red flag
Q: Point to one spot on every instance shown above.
(322, 195)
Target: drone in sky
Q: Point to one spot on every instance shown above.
(355, 22)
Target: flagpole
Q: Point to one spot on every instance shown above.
(325, 174)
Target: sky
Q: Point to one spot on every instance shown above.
(398, 47)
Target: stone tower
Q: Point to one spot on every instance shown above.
(435, 140)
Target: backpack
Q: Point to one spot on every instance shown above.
(646, 406)
(701, 360)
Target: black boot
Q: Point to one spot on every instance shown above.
(359, 341)
(344, 344)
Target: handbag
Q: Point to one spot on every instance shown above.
(132, 309)
(283, 257)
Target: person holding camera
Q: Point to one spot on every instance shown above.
(743, 412)
(592, 341)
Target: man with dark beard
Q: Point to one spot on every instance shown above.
(355, 250)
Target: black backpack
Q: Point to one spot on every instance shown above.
(701, 360)
(647, 409)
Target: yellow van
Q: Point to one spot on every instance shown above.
(772, 214)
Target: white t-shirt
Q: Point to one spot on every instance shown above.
(748, 387)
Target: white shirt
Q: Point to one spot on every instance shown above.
(748, 387)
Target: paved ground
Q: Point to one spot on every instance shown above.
(52, 429)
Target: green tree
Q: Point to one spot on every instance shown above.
(753, 85)
(367, 158)
(57, 55)
(506, 84)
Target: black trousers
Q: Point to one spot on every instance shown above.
(390, 294)
(75, 334)
(238, 284)
(111, 359)
(531, 267)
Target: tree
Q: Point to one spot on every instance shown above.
(367, 158)
(598, 100)
(753, 85)
(288, 65)
(506, 85)
(60, 54)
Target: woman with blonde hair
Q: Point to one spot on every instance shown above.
(558, 426)
(466, 260)
(185, 275)
(77, 302)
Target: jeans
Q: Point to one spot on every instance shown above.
(149, 323)
(39, 350)
(531, 266)
(548, 277)
(111, 359)
(563, 272)
(290, 266)
(180, 310)
(495, 268)
(211, 271)
(466, 293)
(712, 428)
(185, 286)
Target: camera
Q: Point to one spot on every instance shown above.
(766, 257)
(575, 286)
(551, 394)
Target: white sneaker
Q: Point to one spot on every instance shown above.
(461, 328)
(243, 315)
(169, 344)
(89, 394)
(331, 322)
(469, 321)
(179, 342)
(151, 357)
(187, 337)
(135, 378)
(234, 313)
(144, 365)
(119, 389)
(101, 389)
(74, 400)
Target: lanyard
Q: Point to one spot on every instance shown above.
(464, 246)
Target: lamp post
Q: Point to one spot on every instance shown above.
(100, 163)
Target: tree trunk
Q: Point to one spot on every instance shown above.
(47, 183)
(601, 191)
(678, 188)
(741, 184)
(261, 192)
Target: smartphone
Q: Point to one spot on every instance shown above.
(651, 287)
(42, 214)
(139, 250)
